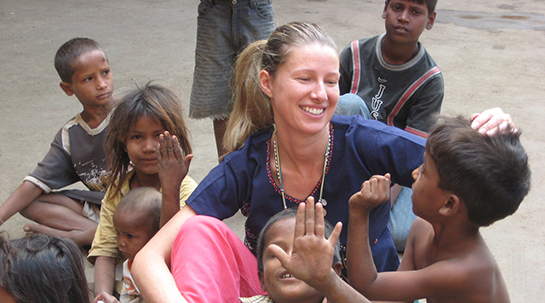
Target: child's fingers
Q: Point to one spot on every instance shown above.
(319, 226)
(309, 216)
(282, 256)
(300, 220)
(178, 152)
(335, 234)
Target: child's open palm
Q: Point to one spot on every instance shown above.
(172, 164)
(312, 254)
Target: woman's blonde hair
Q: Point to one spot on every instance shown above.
(152, 101)
(252, 109)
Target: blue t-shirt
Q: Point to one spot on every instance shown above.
(360, 149)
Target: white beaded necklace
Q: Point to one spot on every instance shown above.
(278, 167)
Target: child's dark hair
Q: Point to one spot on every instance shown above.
(152, 101)
(287, 214)
(145, 201)
(44, 269)
(70, 51)
(490, 174)
(429, 3)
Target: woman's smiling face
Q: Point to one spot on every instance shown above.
(304, 91)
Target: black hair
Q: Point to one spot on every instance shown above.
(287, 214)
(69, 52)
(45, 269)
(490, 174)
(429, 3)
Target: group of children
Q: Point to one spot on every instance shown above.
(129, 152)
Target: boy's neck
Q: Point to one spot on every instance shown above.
(397, 53)
(94, 116)
(455, 237)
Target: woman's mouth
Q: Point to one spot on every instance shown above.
(311, 110)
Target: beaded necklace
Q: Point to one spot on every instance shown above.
(278, 167)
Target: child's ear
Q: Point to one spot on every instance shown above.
(385, 8)
(266, 83)
(337, 267)
(431, 20)
(67, 88)
(451, 205)
(261, 280)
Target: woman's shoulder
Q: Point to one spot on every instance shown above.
(255, 146)
(359, 126)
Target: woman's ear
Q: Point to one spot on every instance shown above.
(266, 82)
(451, 205)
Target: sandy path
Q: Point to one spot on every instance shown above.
(491, 54)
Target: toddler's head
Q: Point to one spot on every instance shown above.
(137, 219)
(275, 279)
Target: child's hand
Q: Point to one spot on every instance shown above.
(105, 297)
(312, 254)
(172, 164)
(373, 193)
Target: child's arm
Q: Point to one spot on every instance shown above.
(360, 265)
(104, 275)
(444, 278)
(173, 168)
(312, 255)
(25, 194)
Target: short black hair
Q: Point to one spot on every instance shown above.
(429, 3)
(70, 51)
(490, 174)
(286, 214)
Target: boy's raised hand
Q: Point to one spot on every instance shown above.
(311, 258)
(373, 193)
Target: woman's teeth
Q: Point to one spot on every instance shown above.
(314, 111)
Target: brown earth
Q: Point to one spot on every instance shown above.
(490, 52)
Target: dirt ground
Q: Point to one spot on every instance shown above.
(490, 52)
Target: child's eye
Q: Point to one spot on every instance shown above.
(88, 79)
(129, 236)
(106, 72)
(136, 137)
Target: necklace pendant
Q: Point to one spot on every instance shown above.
(323, 201)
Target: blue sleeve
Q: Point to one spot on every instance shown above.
(226, 188)
(387, 149)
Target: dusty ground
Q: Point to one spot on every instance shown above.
(491, 54)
